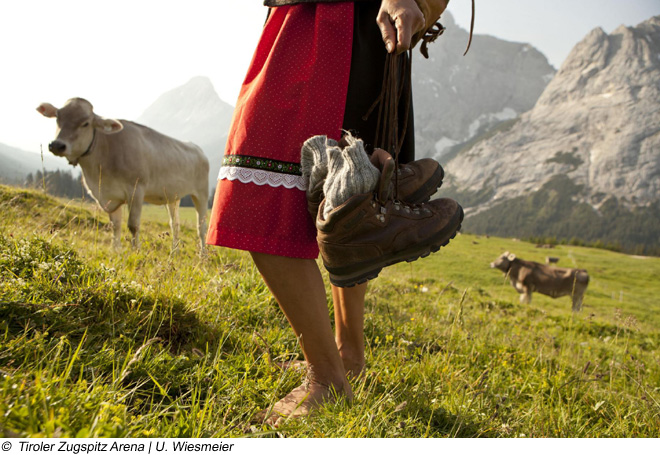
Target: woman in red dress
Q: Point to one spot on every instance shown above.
(316, 70)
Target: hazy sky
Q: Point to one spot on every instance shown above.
(122, 55)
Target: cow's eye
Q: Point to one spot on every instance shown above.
(85, 125)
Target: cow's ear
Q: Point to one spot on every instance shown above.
(47, 110)
(108, 125)
(511, 257)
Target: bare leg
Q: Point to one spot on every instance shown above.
(349, 326)
(349, 329)
(298, 287)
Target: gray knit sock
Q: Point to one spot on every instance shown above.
(349, 173)
(314, 160)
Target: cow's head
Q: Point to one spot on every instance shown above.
(503, 262)
(76, 128)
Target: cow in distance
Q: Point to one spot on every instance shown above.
(527, 277)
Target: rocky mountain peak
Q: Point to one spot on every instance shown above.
(597, 122)
(603, 64)
(457, 97)
(193, 112)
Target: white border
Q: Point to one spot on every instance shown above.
(262, 177)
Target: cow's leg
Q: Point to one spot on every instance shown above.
(201, 204)
(526, 296)
(577, 301)
(115, 219)
(173, 210)
(134, 215)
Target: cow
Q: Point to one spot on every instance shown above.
(123, 162)
(527, 277)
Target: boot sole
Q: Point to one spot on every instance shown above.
(424, 193)
(361, 273)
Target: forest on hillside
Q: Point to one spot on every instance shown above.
(554, 215)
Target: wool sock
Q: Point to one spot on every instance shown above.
(314, 160)
(349, 173)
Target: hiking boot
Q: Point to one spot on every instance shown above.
(371, 231)
(417, 180)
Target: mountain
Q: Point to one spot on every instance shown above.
(16, 164)
(457, 97)
(596, 127)
(193, 112)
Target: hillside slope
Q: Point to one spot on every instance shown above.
(148, 344)
(16, 164)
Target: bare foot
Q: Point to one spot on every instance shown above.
(301, 401)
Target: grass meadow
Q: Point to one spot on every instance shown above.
(96, 343)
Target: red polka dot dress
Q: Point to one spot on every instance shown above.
(318, 69)
(295, 88)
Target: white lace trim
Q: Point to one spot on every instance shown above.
(261, 177)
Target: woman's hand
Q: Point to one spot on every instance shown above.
(398, 21)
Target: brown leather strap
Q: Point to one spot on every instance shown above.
(437, 30)
(430, 36)
(397, 84)
(471, 30)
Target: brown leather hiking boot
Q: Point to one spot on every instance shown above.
(417, 180)
(371, 231)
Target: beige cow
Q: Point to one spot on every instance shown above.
(527, 277)
(124, 162)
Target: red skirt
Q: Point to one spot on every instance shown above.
(295, 88)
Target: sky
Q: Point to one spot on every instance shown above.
(122, 55)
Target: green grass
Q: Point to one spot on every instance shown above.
(145, 343)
